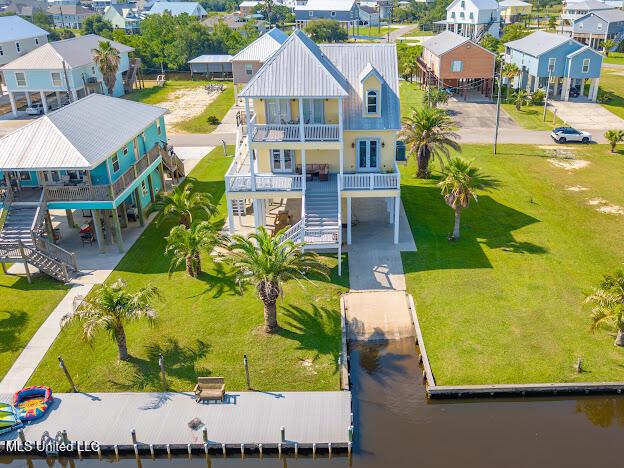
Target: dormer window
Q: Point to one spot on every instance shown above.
(463, 4)
(372, 102)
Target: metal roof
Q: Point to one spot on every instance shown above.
(355, 61)
(75, 52)
(78, 136)
(610, 16)
(13, 28)
(539, 43)
(443, 42)
(177, 8)
(326, 5)
(298, 68)
(480, 4)
(70, 10)
(262, 48)
(211, 59)
(513, 3)
(588, 5)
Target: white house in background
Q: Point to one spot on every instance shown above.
(69, 16)
(344, 11)
(18, 37)
(473, 18)
(179, 8)
(246, 7)
(369, 15)
(574, 10)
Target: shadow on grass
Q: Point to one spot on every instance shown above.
(179, 363)
(486, 222)
(219, 281)
(11, 328)
(40, 282)
(315, 329)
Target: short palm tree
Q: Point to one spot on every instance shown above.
(608, 305)
(181, 203)
(268, 261)
(614, 137)
(109, 307)
(429, 132)
(520, 98)
(435, 96)
(607, 45)
(510, 71)
(186, 244)
(107, 58)
(459, 184)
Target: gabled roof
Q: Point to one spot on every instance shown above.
(443, 42)
(262, 48)
(539, 43)
(513, 3)
(326, 5)
(75, 52)
(69, 10)
(588, 5)
(368, 70)
(583, 49)
(125, 10)
(610, 16)
(298, 68)
(480, 4)
(78, 136)
(177, 8)
(211, 59)
(13, 28)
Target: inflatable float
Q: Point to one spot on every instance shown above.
(32, 402)
(9, 418)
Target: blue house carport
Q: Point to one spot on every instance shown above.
(567, 63)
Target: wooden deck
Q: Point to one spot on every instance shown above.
(249, 418)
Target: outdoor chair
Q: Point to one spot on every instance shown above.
(209, 389)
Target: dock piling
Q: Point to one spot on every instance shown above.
(99, 452)
(64, 435)
(188, 449)
(314, 450)
(205, 435)
(136, 449)
(296, 449)
(152, 451)
(279, 449)
(329, 449)
(350, 432)
(260, 450)
(169, 450)
(223, 450)
(116, 447)
(283, 433)
(206, 448)
(246, 363)
(242, 450)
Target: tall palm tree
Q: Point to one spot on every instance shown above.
(181, 203)
(607, 45)
(429, 132)
(107, 58)
(268, 261)
(608, 305)
(614, 137)
(520, 98)
(109, 307)
(509, 71)
(459, 184)
(185, 245)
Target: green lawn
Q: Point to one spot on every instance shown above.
(614, 57)
(153, 94)
(374, 31)
(205, 326)
(613, 80)
(411, 96)
(24, 307)
(531, 117)
(417, 33)
(504, 304)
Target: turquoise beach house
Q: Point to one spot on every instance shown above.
(63, 71)
(100, 157)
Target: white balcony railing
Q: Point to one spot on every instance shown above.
(264, 133)
(371, 181)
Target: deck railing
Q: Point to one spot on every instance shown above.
(291, 132)
(6, 197)
(371, 181)
(294, 232)
(264, 182)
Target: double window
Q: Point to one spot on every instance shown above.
(56, 79)
(372, 102)
(457, 66)
(20, 78)
(313, 111)
(586, 65)
(368, 155)
(282, 160)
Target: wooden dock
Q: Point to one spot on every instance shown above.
(162, 419)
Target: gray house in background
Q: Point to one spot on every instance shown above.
(597, 26)
(346, 12)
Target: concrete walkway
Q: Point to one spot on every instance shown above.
(588, 116)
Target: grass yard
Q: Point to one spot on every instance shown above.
(531, 117)
(374, 31)
(613, 80)
(417, 33)
(411, 96)
(614, 57)
(24, 307)
(204, 325)
(504, 304)
(153, 94)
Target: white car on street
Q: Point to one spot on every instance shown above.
(567, 134)
(35, 109)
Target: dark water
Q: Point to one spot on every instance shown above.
(399, 427)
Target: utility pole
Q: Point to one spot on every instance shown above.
(498, 103)
(546, 97)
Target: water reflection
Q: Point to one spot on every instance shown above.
(398, 427)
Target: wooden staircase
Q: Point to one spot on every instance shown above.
(172, 163)
(133, 76)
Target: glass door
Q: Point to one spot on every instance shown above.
(313, 111)
(368, 155)
(277, 111)
(282, 160)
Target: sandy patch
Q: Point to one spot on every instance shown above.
(576, 188)
(596, 201)
(185, 104)
(569, 164)
(308, 365)
(603, 206)
(557, 148)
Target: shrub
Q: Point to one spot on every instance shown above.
(212, 120)
(538, 97)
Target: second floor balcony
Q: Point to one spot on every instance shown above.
(293, 131)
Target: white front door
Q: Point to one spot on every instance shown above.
(368, 155)
(282, 160)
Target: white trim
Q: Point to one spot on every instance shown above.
(282, 156)
(368, 168)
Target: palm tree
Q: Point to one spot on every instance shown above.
(109, 307)
(181, 203)
(268, 6)
(614, 137)
(268, 261)
(435, 96)
(608, 305)
(520, 98)
(106, 57)
(186, 244)
(459, 184)
(429, 132)
(510, 71)
(607, 45)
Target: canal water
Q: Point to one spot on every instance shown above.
(398, 427)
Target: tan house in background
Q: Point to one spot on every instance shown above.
(320, 147)
(513, 11)
(248, 61)
(453, 61)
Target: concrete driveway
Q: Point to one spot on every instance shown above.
(587, 116)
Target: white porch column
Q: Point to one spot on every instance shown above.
(535, 83)
(44, 101)
(590, 93)
(257, 209)
(593, 96)
(230, 216)
(252, 170)
(28, 98)
(348, 220)
(13, 105)
(397, 210)
(341, 140)
(390, 209)
(565, 89)
(303, 170)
